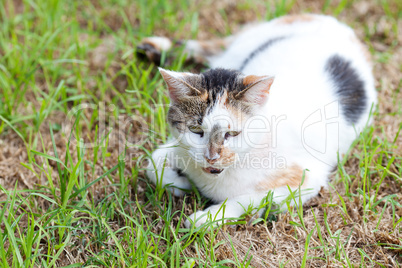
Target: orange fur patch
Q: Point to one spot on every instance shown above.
(291, 176)
(250, 79)
(227, 156)
(235, 113)
(222, 100)
(204, 96)
(296, 18)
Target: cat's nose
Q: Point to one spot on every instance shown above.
(211, 156)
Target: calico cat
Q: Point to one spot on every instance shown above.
(280, 106)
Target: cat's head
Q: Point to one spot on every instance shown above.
(211, 114)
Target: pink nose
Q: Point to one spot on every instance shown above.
(211, 161)
(211, 157)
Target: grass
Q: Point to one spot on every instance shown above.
(65, 65)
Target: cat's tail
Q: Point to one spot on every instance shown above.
(200, 51)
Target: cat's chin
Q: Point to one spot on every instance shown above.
(212, 170)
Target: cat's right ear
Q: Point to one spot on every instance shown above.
(179, 84)
(257, 89)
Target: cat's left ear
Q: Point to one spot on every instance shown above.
(257, 89)
(180, 84)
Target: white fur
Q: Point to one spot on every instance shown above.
(161, 43)
(301, 122)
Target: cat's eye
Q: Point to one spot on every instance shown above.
(197, 130)
(231, 134)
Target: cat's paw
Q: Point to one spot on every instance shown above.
(175, 183)
(178, 191)
(215, 213)
(197, 219)
(153, 46)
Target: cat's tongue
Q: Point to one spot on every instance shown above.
(212, 170)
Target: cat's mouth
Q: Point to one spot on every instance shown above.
(212, 170)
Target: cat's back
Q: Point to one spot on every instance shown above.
(287, 40)
(315, 60)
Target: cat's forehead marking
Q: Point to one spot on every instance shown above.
(223, 98)
(218, 116)
(220, 83)
(225, 115)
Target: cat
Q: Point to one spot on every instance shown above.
(280, 106)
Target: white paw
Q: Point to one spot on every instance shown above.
(174, 183)
(214, 213)
(176, 191)
(197, 219)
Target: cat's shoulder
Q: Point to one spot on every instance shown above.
(300, 23)
(302, 18)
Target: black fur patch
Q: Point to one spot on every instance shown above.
(260, 49)
(349, 87)
(179, 172)
(217, 81)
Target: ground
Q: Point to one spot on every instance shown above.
(65, 204)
